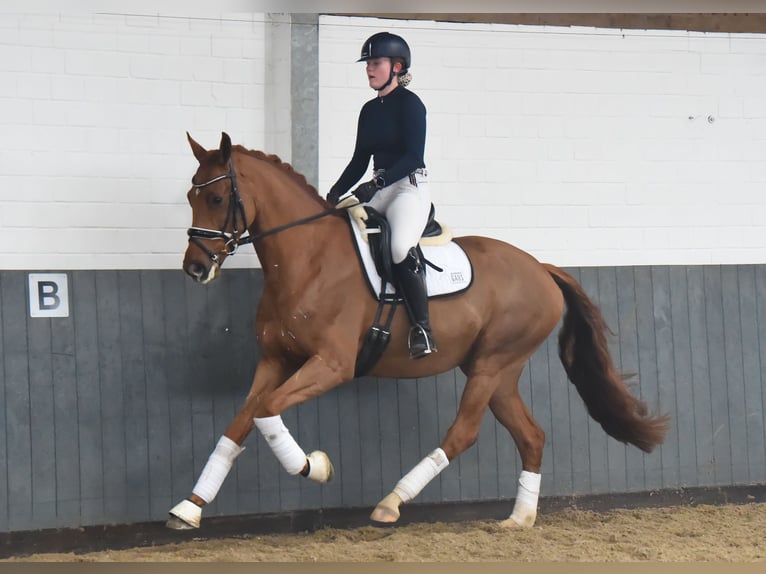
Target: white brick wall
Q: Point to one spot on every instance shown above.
(582, 146)
(94, 164)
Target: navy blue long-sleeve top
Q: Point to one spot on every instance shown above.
(392, 130)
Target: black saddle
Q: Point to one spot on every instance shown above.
(433, 227)
(380, 240)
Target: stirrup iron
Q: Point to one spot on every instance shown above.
(426, 344)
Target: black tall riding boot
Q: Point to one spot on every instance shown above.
(411, 279)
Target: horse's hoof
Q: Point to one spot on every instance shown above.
(523, 522)
(175, 523)
(184, 516)
(384, 515)
(387, 510)
(320, 467)
(509, 523)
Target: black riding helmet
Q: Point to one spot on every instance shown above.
(386, 45)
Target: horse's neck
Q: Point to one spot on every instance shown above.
(280, 201)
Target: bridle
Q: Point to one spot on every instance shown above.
(236, 212)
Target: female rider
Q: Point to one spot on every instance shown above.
(392, 130)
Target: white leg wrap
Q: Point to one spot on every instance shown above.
(525, 508)
(423, 473)
(282, 443)
(216, 469)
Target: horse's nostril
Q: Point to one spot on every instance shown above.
(196, 271)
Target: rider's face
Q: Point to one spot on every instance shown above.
(378, 72)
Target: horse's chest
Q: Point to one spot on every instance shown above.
(286, 333)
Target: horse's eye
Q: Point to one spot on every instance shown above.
(217, 200)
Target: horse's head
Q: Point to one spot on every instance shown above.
(219, 217)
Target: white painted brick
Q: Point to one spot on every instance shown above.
(701, 42)
(731, 107)
(92, 62)
(36, 19)
(210, 119)
(164, 141)
(249, 121)
(16, 112)
(748, 44)
(572, 143)
(9, 30)
(195, 94)
(207, 69)
(111, 23)
(195, 45)
(164, 44)
(133, 43)
(149, 92)
(48, 61)
(37, 38)
(754, 107)
(14, 187)
(243, 71)
(228, 96)
(15, 58)
(226, 47)
(756, 172)
(76, 20)
(92, 40)
(109, 216)
(156, 67)
(153, 22)
(8, 85)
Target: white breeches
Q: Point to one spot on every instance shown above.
(406, 206)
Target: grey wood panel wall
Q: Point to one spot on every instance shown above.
(109, 415)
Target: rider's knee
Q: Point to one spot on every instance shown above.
(399, 250)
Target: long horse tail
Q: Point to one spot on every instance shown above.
(584, 352)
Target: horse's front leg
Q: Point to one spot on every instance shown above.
(315, 377)
(188, 513)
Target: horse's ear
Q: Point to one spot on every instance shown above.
(199, 152)
(225, 148)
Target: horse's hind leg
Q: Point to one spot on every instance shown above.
(463, 433)
(513, 414)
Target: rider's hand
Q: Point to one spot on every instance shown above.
(365, 191)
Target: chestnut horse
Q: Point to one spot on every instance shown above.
(316, 308)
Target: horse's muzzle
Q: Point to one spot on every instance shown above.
(200, 273)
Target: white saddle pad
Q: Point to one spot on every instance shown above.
(456, 276)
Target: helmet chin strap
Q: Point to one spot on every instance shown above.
(390, 79)
(384, 86)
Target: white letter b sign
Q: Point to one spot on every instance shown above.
(48, 295)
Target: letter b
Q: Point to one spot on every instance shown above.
(47, 295)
